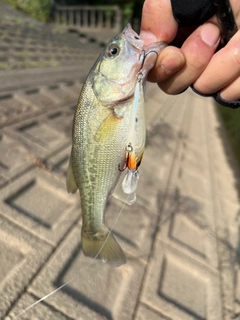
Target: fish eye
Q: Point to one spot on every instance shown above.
(113, 51)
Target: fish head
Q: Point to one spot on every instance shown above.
(114, 75)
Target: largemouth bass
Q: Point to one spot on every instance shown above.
(109, 136)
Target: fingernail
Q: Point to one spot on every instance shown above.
(172, 62)
(210, 34)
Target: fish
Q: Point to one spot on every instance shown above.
(108, 138)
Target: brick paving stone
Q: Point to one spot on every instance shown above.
(74, 86)
(148, 188)
(183, 226)
(54, 93)
(39, 312)
(36, 98)
(156, 108)
(15, 159)
(187, 233)
(226, 222)
(62, 121)
(35, 101)
(95, 291)
(187, 218)
(39, 203)
(40, 136)
(60, 93)
(181, 288)
(134, 227)
(59, 163)
(160, 150)
(193, 158)
(22, 255)
(13, 109)
(33, 77)
(145, 312)
(194, 185)
(73, 89)
(161, 140)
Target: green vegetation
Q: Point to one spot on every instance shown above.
(38, 9)
(231, 120)
(5, 66)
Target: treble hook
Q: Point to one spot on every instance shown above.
(129, 150)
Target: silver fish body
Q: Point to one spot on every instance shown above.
(99, 141)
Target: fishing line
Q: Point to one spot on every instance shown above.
(85, 268)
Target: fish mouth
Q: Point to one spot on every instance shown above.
(133, 38)
(148, 53)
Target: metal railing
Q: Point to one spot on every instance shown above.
(89, 17)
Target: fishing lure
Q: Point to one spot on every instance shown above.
(126, 187)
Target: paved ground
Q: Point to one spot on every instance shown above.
(181, 237)
(27, 43)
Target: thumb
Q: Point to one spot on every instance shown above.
(158, 23)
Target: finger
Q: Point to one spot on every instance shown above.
(158, 23)
(170, 60)
(223, 68)
(198, 50)
(231, 92)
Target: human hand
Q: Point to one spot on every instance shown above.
(196, 62)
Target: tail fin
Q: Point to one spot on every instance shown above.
(103, 246)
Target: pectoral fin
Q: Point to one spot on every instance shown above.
(108, 128)
(71, 184)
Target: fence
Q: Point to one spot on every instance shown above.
(89, 17)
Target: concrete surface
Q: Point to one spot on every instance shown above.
(181, 237)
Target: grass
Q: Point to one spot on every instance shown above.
(38, 9)
(5, 66)
(231, 121)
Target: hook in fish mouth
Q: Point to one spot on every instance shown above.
(142, 70)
